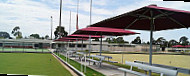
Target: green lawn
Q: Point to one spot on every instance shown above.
(23, 49)
(31, 64)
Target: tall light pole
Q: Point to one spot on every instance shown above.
(70, 24)
(51, 26)
(90, 11)
(77, 15)
(60, 19)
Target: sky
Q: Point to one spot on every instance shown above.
(33, 16)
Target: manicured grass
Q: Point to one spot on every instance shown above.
(31, 64)
(171, 60)
(24, 49)
(89, 71)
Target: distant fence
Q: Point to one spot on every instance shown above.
(181, 70)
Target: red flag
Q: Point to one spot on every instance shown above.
(77, 23)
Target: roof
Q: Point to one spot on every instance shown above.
(104, 31)
(139, 19)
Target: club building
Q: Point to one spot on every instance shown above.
(95, 45)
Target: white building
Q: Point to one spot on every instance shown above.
(95, 46)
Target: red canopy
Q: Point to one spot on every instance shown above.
(85, 36)
(104, 31)
(187, 46)
(70, 39)
(178, 46)
(140, 19)
(65, 40)
(152, 18)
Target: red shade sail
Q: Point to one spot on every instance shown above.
(140, 19)
(70, 39)
(152, 18)
(187, 46)
(65, 40)
(85, 36)
(104, 31)
(178, 46)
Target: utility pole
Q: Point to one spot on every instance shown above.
(60, 19)
(51, 26)
(70, 24)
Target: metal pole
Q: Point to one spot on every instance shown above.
(77, 45)
(101, 44)
(77, 15)
(60, 19)
(89, 47)
(151, 36)
(70, 24)
(90, 11)
(85, 64)
(89, 44)
(82, 45)
(51, 26)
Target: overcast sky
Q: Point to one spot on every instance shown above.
(33, 16)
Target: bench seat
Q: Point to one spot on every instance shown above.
(132, 72)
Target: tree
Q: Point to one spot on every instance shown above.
(4, 35)
(162, 42)
(153, 41)
(172, 43)
(16, 32)
(36, 36)
(183, 40)
(47, 37)
(120, 40)
(57, 32)
(137, 40)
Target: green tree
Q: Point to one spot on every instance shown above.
(57, 32)
(162, 42)
(172, 43)
(47, 37)
(137, 40)
(16, 32)
(36, 36)
(120, 40)
(183, 40)
(4, 35)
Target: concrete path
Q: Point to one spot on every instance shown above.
(106, 69)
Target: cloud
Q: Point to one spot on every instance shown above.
(33, 16)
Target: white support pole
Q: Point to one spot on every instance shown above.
(85, 64)
(81, 64)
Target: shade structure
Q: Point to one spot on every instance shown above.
(187, 46)
(103, 31)
(73, 38)
(66, 39)
(178, 46)
(152, 18)
(85, 36)
(140, 19)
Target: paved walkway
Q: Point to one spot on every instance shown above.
(106, 69)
